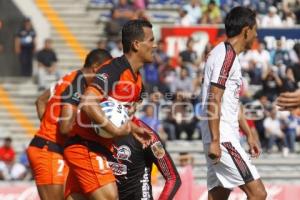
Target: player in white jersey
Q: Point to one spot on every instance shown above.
(228, 164)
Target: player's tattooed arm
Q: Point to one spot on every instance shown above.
(166, 166)
(156, 153)
(67, 116)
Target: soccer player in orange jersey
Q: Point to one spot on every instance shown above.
(120, 79)
(57, 112)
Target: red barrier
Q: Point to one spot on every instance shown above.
(199, 192)
(216, 33)
(175, 37)
(18, 191)
(191, 191)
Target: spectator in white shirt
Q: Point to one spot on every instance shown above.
(183, 82)
(273, 130)
(12, 171)
(117, 51)
(289, 19)
(256, 60)
(184, 18)
(193, 11)
(246, 57)
(263, 56)
(272, 19)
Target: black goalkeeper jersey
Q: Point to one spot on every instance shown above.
(132, 167)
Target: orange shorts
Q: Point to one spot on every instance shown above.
(47, 167)
(88, 170)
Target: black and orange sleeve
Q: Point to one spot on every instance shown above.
(105, 79)
(74, 90)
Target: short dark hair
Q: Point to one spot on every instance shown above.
(26, 19)
(296, 48)
(212, 2)
(190, 40)
(238, 18)
(48, 40)
(98, 56)
(133, 30)
(8, 139)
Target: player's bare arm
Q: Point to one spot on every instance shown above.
(90, 105)
(41, 103)
(251, 138)
(143, 135)
(289, 100)
(214, 112)
(17, 45)
(67, 118)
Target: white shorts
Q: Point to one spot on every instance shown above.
(234, 169)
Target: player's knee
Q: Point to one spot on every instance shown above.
(110, 196)
(49, 192)
(114, 196)
(258, 194)
(112, 193)
(57, 195)
(108, 192)
(262, 194)
(52, 196)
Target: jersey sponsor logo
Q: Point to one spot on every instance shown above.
(123, 153)
(158, 150)
(125, 89)
(118, 168)
(238, 89)
(146, 187)
(103, 76)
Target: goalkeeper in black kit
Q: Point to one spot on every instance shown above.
(132, 166)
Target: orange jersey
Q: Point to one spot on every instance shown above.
(67, 90)
(117, 80)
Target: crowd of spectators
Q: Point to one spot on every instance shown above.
(173, 88)
(270, 13)
(274, 71)
(172, 99)
(25, 49)
(173, 92)
(11, 167)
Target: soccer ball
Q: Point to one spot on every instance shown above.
(115, 112)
